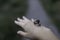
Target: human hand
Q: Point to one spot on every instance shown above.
(33, 31)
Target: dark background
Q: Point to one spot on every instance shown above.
(11, 9)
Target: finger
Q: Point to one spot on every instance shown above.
(16, 22)
(22, 33)
(19, 19)
(32, 20)
(19, 23)
(25, 18)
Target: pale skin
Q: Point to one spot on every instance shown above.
(33, 31)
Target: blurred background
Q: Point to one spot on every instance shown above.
(48, 11)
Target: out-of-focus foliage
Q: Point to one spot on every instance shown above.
(53, 9)
(9, 10)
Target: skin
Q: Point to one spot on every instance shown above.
(33, 31)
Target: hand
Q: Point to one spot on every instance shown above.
(27, 25)
(33, 31)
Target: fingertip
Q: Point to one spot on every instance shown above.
(24, 18)
(32, 20)
(18, 32)
(16, 22)
(19, 19)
